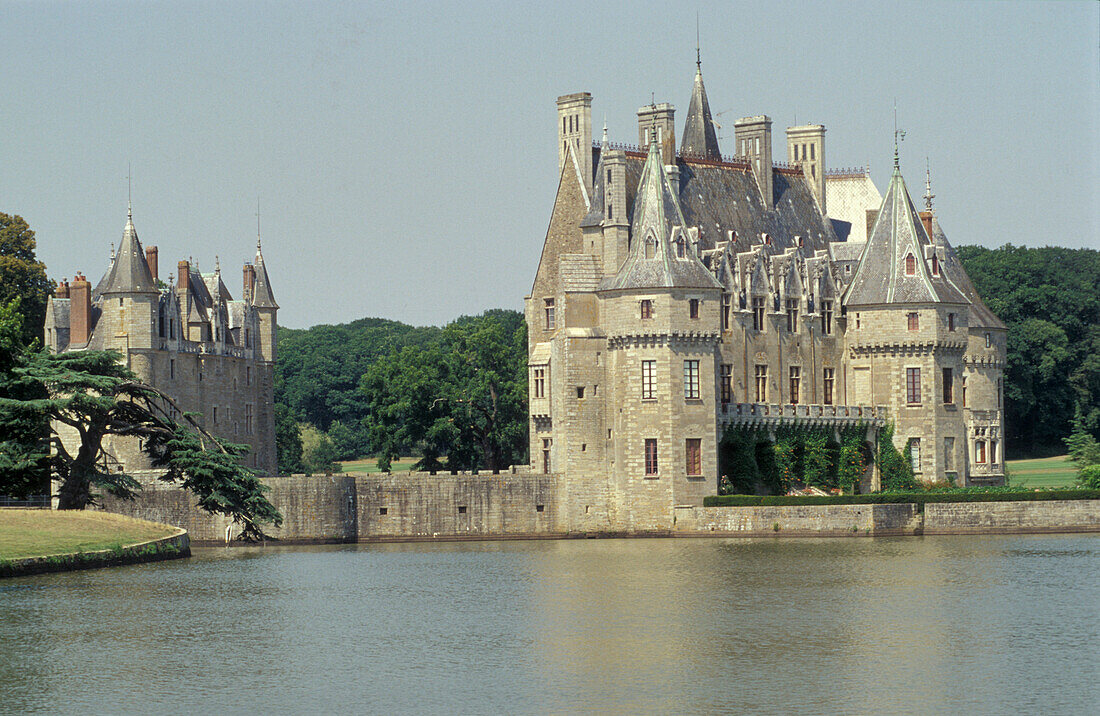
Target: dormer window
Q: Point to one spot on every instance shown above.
(935, 265)
(910, 265)
(681, 250)
(650, 248)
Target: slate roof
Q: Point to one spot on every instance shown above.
(128, 272)
(699, 137)
(262, 297)
(898, 232)
(656, 214)
(952, 269)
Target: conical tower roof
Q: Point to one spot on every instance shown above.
(129, 273)
(262, 297)
(699, 137)
(882, 275)
(653, 261)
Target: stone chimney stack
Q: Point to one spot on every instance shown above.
(656, 123)
(249, 281)
(575, 130)
(183, 294)
(806, 146)
(151, 259)
(62, 289)
(753, 139)
(80, 311)
(926, 219)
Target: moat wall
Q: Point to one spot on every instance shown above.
(420, 506)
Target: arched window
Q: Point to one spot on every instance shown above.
(681, 250)
(910, 265)
(650, 248)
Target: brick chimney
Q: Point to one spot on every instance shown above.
(62, 288)
(80, 311)
(249, 281)
(926, 219)
(151, 259)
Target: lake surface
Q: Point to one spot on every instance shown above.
(906, 625)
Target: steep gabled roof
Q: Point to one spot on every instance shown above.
(699, 137)
(262, 297)
(129, 273)
(656, 214)
(897, 234)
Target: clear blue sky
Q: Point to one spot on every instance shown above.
(405, 153)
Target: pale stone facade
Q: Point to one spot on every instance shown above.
(679, 292)
(188, 338)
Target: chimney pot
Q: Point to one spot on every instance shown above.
(80, 310)
(151, 259)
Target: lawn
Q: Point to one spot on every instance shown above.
(371, 465)
(1045, 472)
(36, 533)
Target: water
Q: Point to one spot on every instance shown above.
(908, 625)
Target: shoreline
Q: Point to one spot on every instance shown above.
(176, 546)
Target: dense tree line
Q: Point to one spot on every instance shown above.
(1050, 299)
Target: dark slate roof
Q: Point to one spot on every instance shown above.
(262, 297)
(699, 137)
(128, 273)
(880, 277)
(657, 214)
(595, 216)
(953, 271)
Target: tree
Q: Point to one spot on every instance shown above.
(22, 275)
(288, 442)
(24, 464)
(465, 397)
(95, 396)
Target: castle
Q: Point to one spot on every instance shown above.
(683, 291)
(189, 338)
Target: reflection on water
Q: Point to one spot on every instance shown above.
(609, 626)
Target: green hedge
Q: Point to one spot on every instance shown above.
(889, 498)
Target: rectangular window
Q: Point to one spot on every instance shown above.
(988, 340)
(979, 452)
(539, 387)
(580, 392)
(694, 455)
(912, 386)
(963, 391)
(914, 321)
(248, 375)
(727, 301)
(827, 385)
(693, 308)
(857, 320)
(248, 418)
(649, 379)
(949, 454)
(647, 308)
(914, 453)
(827, 318)
(548, 308)
(651, 456)
(948, 386)
(792, 315)
(727, 383)
(1000, 391)
(992, 452)
(691, 380)
(761, 383)
(546, 443)
(950, 321)
(172, 368)
(796, 380)
(758, 313)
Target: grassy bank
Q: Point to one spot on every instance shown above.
(1045, 472)
(34, 533)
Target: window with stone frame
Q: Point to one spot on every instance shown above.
(910, 265)
(962, 387)
(691, 380)
(795, 375)
(979, 452)
(762, 383)
(935, 265)
(726, 383)
(914, 453)
(693, 308)
(992, 452)
(758, 313)
(693, 449)
(548, 309)
(650, 456)
(827, 317)
(912, 386)
(649, 379)
(727, 304)
(546, 445)
(538, 382)
(951, 321)
(948, 386)
(646, 308)
(792, 315)
(913, 319)
(827, 382)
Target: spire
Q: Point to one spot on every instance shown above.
(928, 195)
(262, 297)
(129, 272)
(899, 135)
(699, 137)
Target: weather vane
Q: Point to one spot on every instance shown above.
(899, 134)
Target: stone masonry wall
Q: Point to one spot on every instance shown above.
(1008, 517)
(808, 520)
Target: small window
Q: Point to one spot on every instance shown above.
(580, 391)
(857, 320)
(948, 386)
(539, 383)
(172, 368)
(988, 340)
(693, 308)
(914, 321)
(979, 452)
(827, 384)
(912, 386)
(992, 452)
(914, 453)
(215, 414)
(540, 508)
(649, 377)
(681, 248)
(546, 444)
(910, 265)
(726, 384)
(584, 447)
(693, 449)
(762, 383)
(935, 265)
(792, 315)
(951, 321)
(758, 313)
(847, 268)
(963, 387)
(548, 308)
(647, 308)
(691, 380)
(383, 510)
(827, 318)
(796, 383)
(650, 456)
(727, 305)
(462, 509)
(650, 248)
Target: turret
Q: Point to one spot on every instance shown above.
(130, 295)
(700, 139)
(263, 302)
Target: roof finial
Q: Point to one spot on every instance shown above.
(112, 251)
(257, 224)
(217, 264)
(129, 194)
(899, 134)
(698, 57)
(928, 195)
(604, 130)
